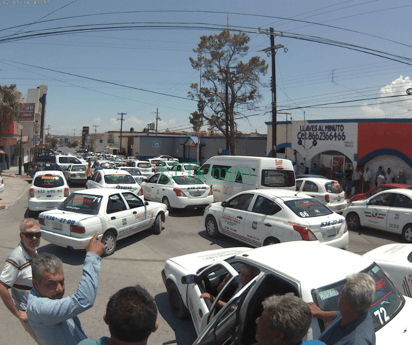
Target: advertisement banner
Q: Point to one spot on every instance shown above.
(27, 112)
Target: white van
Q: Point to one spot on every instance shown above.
(229, 175)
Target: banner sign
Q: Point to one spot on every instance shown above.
(27, 112)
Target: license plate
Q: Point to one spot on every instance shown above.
(331, 233)
(58, 226)
(49, 196)
(82, 175)
(197, 194)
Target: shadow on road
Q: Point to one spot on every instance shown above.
(68, 256)
(378, 234)
(184, 330)
(190, 212)
(223, 241)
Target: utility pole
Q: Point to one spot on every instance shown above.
(121, 128)
(74, 134)
(227, 110)
(271, 51)
(157, 118)
(95, 128)
(48, 129)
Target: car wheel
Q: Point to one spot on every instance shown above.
(109, 239)
(407, 233)
(271, 240)
(167, 203)
(352, 219)
(158, 224)
(211, 227)
(176, 302)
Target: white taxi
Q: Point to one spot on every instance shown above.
(178, 191)
(48, 190)
(328, 192)
(114, 178)
(145, 168)
(396, 261)
(267, 216)
(313, 272)
(115, 214)
(390, 210)
(76, 173)
(135, 172)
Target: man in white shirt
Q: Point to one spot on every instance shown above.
(367, 176)
(389, 176)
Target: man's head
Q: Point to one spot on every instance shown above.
(131, 315)
(30, 233)
(400, 172)
(285, 320)
(357, 295)
(247, 274)
(389, 170)
(48, 277)
(96, 164)
(348, 166)
(380, 168)
(314, 165)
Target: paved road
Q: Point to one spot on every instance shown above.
(138, 260)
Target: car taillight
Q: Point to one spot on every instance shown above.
(77, 229)
(327, 198)
(66, 191)
(72, 175)
(210, 191)
(345, 195)
(305, 233)
(41, 221)
(178, 192)
(31, 192)
(153, 170)
(140, 193)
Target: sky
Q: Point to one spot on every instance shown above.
(138, 61)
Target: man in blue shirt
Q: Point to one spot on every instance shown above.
(285, 320)
(54, 318)
(131, 316)
(353, 323)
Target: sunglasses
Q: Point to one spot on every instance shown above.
(31, 235)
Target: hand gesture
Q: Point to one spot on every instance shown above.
(22, 315)
(95, 246)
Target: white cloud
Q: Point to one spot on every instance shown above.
(392, 107)
(97, 120)
(172, 122)
(113, 121)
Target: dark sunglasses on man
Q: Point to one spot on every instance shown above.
(30, 235)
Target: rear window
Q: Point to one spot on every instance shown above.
(185, 180)
(133, 172)
(119, 179)
(144, 165)
(278, 178)
(386, 304)
(82, 203)
(333, 187)
(78, 168)
(306, 208)
(48, 181)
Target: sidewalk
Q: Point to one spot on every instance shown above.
(14, 187)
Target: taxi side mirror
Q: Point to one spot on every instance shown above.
(224, 204)
(189, 279)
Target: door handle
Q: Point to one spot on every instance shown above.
(200, 313)
(163, 189)
(239, 217)
(113, 218)
(267, 224)
(134, 212)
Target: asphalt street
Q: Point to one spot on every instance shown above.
(138, 259)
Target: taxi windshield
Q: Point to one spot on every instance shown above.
(333, 187)
(119, 179)
(144, 165)
(186, 180)
(81, 203)
(306, 208)
(386, 304)
(133, 172)
(48, 181)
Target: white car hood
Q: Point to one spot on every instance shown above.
(399, 329)
(396, 253)
(192, 262)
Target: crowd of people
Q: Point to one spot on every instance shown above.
(351, 179)
(36, 298)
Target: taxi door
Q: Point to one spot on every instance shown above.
(400, 213)
(200, 308)
(140, 213)
(375, 214)
(95, 181)
(150, 187)
(233, 216)
(118, 216)
(161, 187)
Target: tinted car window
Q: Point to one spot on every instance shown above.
(153, 179)
(278, 178)
(310, 186)
(306, 208)
(384, 199)
(132, 200)
(115, 204)
(48, 181)
(182, 180)
(333, 187)
(265, 206)
(119, 179)
(144, 165)
(204, 169)
(402, 201)
(241, 202)
(219, 171)
(163, 179)
(81, 203)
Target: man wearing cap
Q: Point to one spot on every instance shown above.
(17, 275)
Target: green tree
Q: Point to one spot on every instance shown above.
(51, 142)
(229, 82)
(75, 143)
(9, 105)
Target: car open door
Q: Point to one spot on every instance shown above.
(221, 329)
(212, 276)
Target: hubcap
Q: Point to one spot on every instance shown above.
(408, 234)
(210, 227)
(109, 243)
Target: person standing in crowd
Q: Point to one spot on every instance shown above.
(89, 170)
(285, 320)
(97, 166)
(347, 179)
(131, 316)
(13, 159)
(16, 274)
(7, 161)
(400, 178)
(53, 318)
(379, 172)
(356, 176)
(389, 178)
(380, 179)
(352, 324)
(322, 170)
(301, 169)
(315, 169)
(367, 175)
